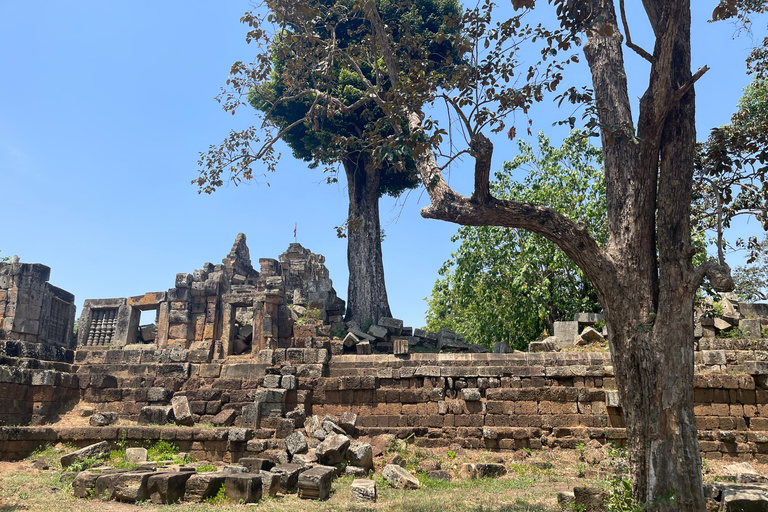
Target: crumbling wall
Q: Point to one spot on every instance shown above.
(33, 310)
(220, 310)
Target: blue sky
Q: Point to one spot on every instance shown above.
(106, 105)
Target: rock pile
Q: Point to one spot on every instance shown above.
(389, 335)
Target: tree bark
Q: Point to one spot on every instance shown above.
(367, 292)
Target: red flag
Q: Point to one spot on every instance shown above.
(294, 229)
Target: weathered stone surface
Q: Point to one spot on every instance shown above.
(400, 347)
(393, 325)
(348, 421)
(169, 487)
(590, 499)
(566, 332)
(159, 395)
(296, 443)
(355, 472)
(135, 455)
(490, 470)
(565, 499)
(360, 454)
(590, 335)
(254, 464)
(284, 427)
(350, 340)
(231, 469)
(243, 488)
(332, 451)
(752, 327)
(251, 417)
(202, 486)
(744, 498)
(97, 450)
(378, 332)
(182, 414)
(272, 381)
(399, 478)
(363, 348)
(224, 418)
(471, 394)
(439, 474)
(102, 419)
(551, 344)
(276, 456)
(238, 435)
(363, 491)
(744, 473)
(304, 459)
(155, 415)
(131, 486)
(289, 476)
(270, 484)
(316, 483)
(82, 485)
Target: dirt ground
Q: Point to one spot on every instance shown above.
(531, 484)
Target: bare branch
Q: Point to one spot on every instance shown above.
(640, 51)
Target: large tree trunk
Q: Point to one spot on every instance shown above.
(644, 278)
(366, 293)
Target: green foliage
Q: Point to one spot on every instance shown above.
(507, 284)
(751, 280)
(620, 497)
(206, 468)
(164, 450)
(219, 498)
(310, 317)
(735, 333)
(5, 259)
(731, 171)
(82, 464)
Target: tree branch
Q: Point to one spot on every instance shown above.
(640, 51)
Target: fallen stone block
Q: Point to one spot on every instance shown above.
(398, 477)
(590, 335)
(135, 455)
(104, 486)
(251, 417)
(169, 487)
(98, 450)
(363, 348)
(82, 485)
(224, 418)
(181, 412)
(202, 486)
(254, 464)
(589, 499)
(360, 454)
(243, 488)
(289, 476)
(348, 421)
(316, 483)
(355, 472)
(472, 471)
(131, 487)
(393, 325)
(103, 419)
(350, 340)
(439, 474)
(548, 345)
(231, 469)
(379, 333)
(363, 491)
(296, 443)
(156, 415)
(332, 451)
(270, 484)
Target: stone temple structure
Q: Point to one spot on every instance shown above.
(32, 310)
(221, 310)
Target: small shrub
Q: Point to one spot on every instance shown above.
(735, 334)
(451, 454)
(206, 468)
(219, 498)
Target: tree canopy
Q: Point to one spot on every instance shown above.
(507, 284)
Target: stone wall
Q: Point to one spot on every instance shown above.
(493, 401)
(33, 310)
(221, 310)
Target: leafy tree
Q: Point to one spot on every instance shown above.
(5, 259)
(322, 110)
(507, 284)
(644, 277)
(731, 169)
(751, 281)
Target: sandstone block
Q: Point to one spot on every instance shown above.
(131, 487)
(136, 455)
(243, 488)
(316, 483)
(155, 415)
(181, 411)
(332, 451)
(296, 443)
(167, 488)
(360, 454)
(203, 485)
(363, 491)
(289, 476)
(98, 450)
(399, 478)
